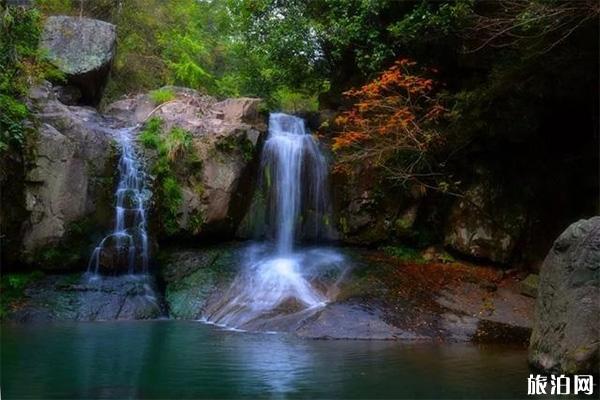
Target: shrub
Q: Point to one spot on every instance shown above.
(163, 95)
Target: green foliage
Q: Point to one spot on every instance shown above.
(12, 287)
(170, 148)
(171, 198)
(163, 95)
(236, 144)
(430, 20)
(177, 143)
(21, 65)
(150, 135)
(292, 102)
(402, 253)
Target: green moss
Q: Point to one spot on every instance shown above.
(162, 95)
(196, 221)
(403, 253)
(236, 145)
(171, 198)
(343, 225)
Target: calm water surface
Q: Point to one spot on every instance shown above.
(174, 359)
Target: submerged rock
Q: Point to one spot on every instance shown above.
(566, 331)
(83, 49)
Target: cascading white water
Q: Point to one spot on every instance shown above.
(296, 173)
(126, 248)
(277, 281)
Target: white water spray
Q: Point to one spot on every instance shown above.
(126, 248)
(281, 281)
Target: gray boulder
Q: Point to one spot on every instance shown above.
(68, 182)
(566, 331)
(83, 49)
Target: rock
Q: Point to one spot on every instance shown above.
(529, 285)
(217, 173)
(75, 297)
(367, 211)
(351, 321)
(192, 276)
(68, 95)
(239, 110)
(68, 184)
(484, 224)
(83, 49)
(566, 329)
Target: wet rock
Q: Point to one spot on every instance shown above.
(485, 224)
(567, 319)
(83, 49)
(351, 321)
(192, 276)
(76, 297)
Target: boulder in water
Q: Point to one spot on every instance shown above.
(566, 329)
(83, 49)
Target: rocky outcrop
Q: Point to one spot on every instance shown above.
(192, 277)
(215, 174)
(367, 211)
(74, 297)
(68, 182)
(375, 298)
(83, 49)
(566, 332)
(484, 223)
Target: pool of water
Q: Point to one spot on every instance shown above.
(176, 359)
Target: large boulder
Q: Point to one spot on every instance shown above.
(485, 223)
(215, 175)
(68, 182)
(566, 330)
(83, 49)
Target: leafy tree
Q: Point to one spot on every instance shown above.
(392, 125)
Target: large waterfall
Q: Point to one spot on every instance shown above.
(126, 248)
(277, 279)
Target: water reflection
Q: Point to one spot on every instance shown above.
(170, 359)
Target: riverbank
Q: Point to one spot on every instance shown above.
(375, 295)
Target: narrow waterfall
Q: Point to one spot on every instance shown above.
(296, 174)
(277, 279)
(126, 248)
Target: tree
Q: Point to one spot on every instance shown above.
(392, 125)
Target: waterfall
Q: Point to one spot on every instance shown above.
(126, 248)
(297, 173)
(276, 279)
